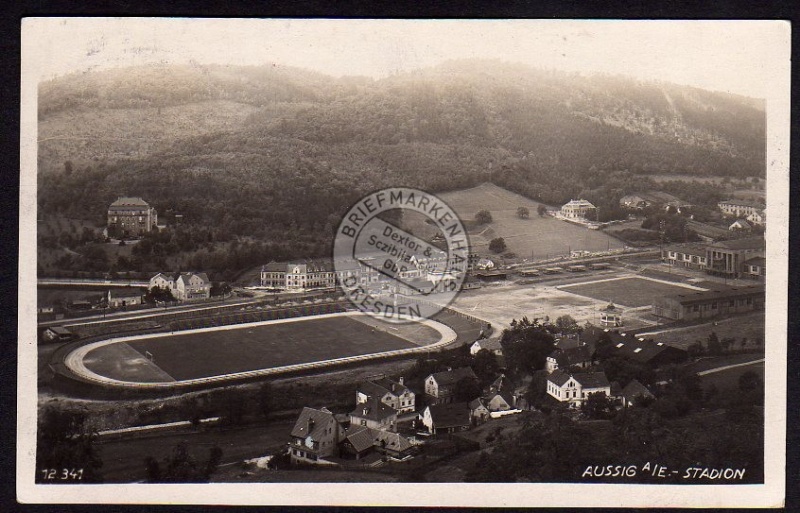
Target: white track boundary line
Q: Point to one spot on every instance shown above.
(75, 360)
(732, 366)
(676, 284)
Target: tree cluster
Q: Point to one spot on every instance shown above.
(526, 345)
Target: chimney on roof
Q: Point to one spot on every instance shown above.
(310, 425)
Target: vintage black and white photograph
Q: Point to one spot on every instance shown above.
(509, 258)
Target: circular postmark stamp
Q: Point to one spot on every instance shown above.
(389, 270)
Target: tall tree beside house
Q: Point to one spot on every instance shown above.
(604, 347)
(483, 217)
(526, 345)
(567, 324)
(523, 212)
(598, 407)
(467, 389)
(485, 366)
(497, 245)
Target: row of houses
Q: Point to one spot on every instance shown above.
(385, 420)
(573, 373)
(424, 276)
(186, 286)
(753, 211)
(738, 258)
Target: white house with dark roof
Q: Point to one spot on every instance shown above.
(190, 286)
(496, 402)
(122, 298)
(374, 414)
(478, 411)
(440, 387)
(740, 225)
(315, 436)
(490, 344)
(447, 418)
(634, 392)
(162, 281)
(391, 393)
(576, 388)
(759, 218)
(564, 358)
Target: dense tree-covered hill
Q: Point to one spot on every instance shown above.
(263, 151)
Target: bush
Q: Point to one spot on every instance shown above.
(497, 245)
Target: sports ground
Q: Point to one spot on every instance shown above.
(205, 353)
(628, 291)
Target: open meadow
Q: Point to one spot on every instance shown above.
(537, 236)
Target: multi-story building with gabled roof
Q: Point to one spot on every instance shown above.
(131, 217)
(578, 209)
(391, 393)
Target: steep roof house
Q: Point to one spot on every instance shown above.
(634, 392)
(372, 413)
(315, 436)
(447, 418)
(490, 344)
(391, 393)
(361, 441)
(162, 281)
(440, 387)
(478, 411)
(570, 357)
(190, 286)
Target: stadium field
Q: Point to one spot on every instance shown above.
(631, 292)
(247, 348)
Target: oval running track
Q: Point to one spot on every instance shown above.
(74, 361)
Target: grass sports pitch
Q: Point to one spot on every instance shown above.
(631, 292)
(215, 353)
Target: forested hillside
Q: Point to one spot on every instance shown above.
(278, 154)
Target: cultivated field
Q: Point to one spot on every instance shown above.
(535, 237)
(214, 353)
(628, 291)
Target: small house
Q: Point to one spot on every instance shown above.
(440, 387)
(447, 418)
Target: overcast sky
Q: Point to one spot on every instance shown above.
(732, 56)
